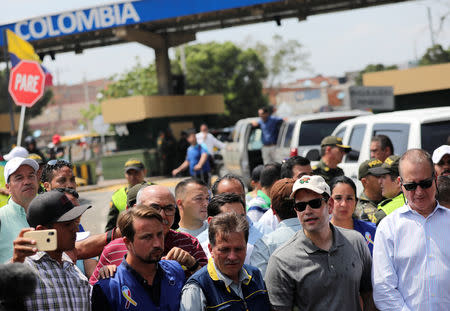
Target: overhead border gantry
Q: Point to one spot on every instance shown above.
(161, 24)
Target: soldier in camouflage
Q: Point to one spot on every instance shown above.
(332, 151)
(371, 196)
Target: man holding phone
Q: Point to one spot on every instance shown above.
(61, 285)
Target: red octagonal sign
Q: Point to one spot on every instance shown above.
(26, 83)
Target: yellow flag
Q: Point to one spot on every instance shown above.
(20, 49)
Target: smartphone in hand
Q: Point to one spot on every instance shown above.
(45, 239)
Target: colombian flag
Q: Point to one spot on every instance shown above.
(20, 49)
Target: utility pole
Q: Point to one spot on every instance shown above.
(430, 25)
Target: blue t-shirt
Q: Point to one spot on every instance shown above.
(270, 130)
(193, 156)
(367, 229)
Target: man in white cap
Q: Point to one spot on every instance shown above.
(15, 152)
(335, 263)
(21, 181)
(441, 160)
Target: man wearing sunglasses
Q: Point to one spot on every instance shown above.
(411, 249)
(322, 267)
(390, 187)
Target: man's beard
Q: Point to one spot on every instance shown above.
(153, 257)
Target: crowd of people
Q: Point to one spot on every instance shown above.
(301, 239)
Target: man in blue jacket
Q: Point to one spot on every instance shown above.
(226, 282)
(143, 281)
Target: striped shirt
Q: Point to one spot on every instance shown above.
(113, 252)
(59, 287)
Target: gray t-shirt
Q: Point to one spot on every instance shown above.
(195, 232)
(300, 274)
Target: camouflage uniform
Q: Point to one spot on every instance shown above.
(365, 208)
(327, 173)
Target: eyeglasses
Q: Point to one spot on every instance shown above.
(58, 161)
(424, 184)
(301, 206)
(169, 210)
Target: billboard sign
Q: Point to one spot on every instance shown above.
(372, 97)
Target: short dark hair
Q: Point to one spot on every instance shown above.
(190, 132)
(443, 189)
(126, 219)
(48, 172)
(227, 223)
(342, 180)
(384, 141)
(286, 167)
(256, 173)
(226, 177)
(220, 200)
(265, 109)
(181, 186)
(270, 174)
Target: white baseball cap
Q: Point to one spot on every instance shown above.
(439, 153)
(314, 183)
(16, 152)
(13, 164)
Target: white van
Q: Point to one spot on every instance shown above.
(301, 135)
(418, 128)
(243, 153)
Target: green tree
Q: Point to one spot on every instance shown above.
(282, 58)
(435, 55)
(211, 68)
(224, 68)
(139, 80)
(372, 68)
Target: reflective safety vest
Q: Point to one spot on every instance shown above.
(119, 199)
(390, 205)
(220, 297)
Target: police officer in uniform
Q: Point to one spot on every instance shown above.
(371, 196)
(134, 173)
(390, 187)
(332, 152)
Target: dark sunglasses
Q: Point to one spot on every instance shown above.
(301, 206)
(58, 161)
(424, 184)
(68, 190)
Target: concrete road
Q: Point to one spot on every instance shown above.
(94, 219)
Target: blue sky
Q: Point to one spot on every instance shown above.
(337, 42)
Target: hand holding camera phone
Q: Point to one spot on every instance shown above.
(45, 239)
